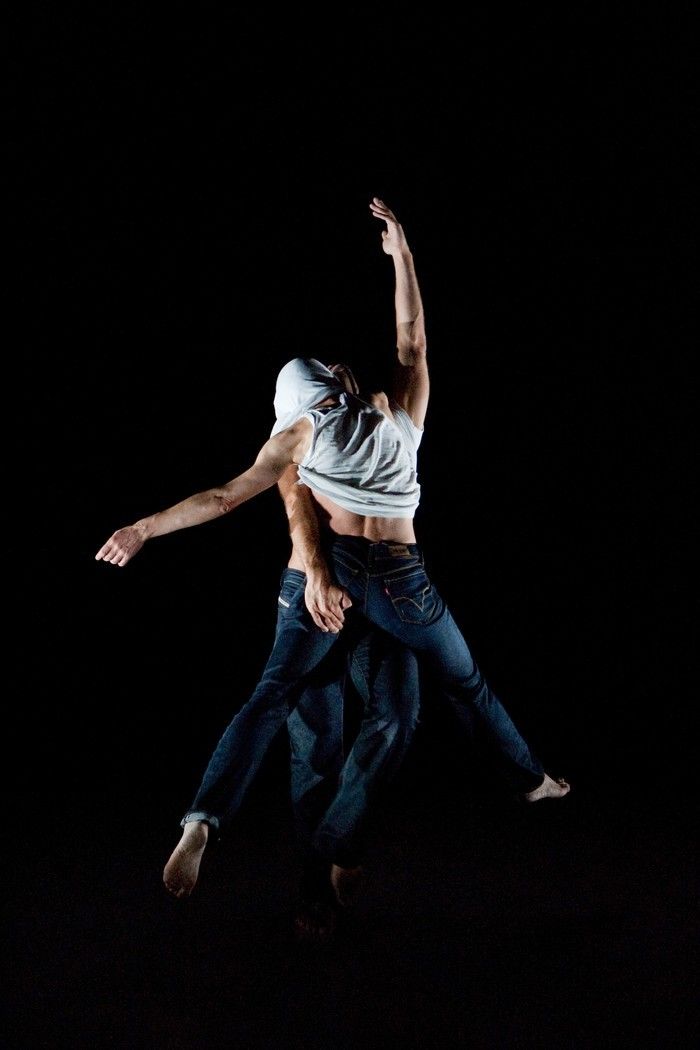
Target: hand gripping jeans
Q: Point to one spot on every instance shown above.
(303, 682)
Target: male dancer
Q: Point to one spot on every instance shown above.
(359, 457)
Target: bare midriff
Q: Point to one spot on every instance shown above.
(345, 523)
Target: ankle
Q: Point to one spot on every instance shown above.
(195, 831)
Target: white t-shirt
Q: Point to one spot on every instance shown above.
(362, 460)
(359, 458)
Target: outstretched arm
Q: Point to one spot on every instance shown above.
(325, 600)
(274, 457)
(411, 383)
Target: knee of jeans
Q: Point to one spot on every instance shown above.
(397, 728)
(400, 721)
(406, 715)
(477, 687)
(471, 685)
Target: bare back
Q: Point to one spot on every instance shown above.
(345, 523)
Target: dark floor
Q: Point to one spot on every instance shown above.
(483, 924)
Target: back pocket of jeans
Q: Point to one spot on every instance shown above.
(414, 598)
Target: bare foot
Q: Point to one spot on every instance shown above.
(347, 884)
(549, 789)
(181, 872)
(314, 921)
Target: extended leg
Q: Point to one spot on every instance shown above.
(298, 648)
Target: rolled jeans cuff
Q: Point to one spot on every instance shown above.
(205, 818)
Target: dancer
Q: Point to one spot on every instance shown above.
(359, 457)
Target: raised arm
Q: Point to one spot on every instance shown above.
(325, 600)
(274, 457)
(411, 383)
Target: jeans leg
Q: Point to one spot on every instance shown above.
(385, 674)
(315, 729)
(397, 595)
(298, 647)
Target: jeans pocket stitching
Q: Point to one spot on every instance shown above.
(403, 602)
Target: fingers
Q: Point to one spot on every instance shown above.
(381, 211)
(318, 620)
(113, 553)
(117, 557)
(327, 611)
(340, 600)
(328, 623)
(107, 553)
(333, 618)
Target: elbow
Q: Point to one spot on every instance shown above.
(411, 341)
(416, 335)
(413, 354)
(225, 504)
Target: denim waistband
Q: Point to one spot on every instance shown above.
(372, 552)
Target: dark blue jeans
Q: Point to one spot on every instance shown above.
(389, 584)
(390, 587)
(304, 682)
(332, 794)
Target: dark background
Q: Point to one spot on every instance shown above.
(191, 212)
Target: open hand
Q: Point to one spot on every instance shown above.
(393, 237)
(122, 545)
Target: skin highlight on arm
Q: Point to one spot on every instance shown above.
(411, 388)
(278, 453)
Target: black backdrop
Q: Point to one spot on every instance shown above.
(196, 212)
(187, 209)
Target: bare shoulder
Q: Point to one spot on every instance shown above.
(381, 401)
(287, 446)
(297, 438)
